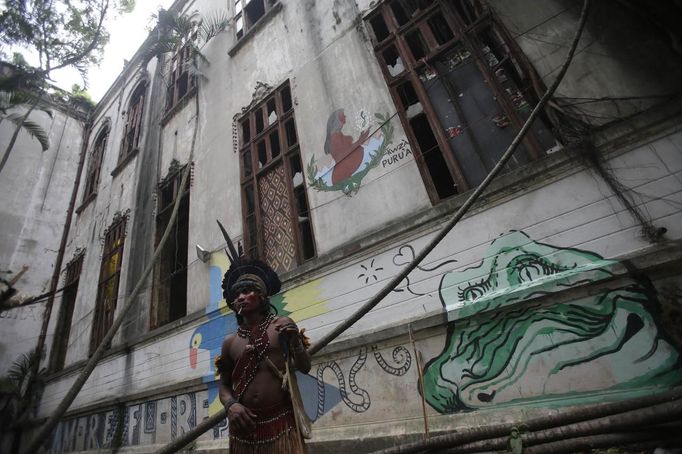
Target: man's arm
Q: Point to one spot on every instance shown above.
(296, 347)
(238, 416)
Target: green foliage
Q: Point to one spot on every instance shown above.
(31, 127)
(22, 393)
(176, 30)
(81, 95)
(60, 32)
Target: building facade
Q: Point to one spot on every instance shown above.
(36, 185)
(333, 139)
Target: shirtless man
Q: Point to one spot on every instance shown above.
(252, 367)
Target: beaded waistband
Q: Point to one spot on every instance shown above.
(271, 424)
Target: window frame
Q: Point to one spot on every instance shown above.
(465, 32)
(60, 345)
(164, 207)
(114, 242)
(240, 14)
(94, 170)
(132, 131)
(288, 151)
(178, 69)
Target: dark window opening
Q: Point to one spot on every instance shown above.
(274, 144)
(63, 329)
(248, 12)
(262, 154)
(291, 133)
(180, 80)
(401, 16)
(246, 131)
(379, 27)
(169, 301)
(286, 100)
(466, 97)
(394, 64)
(440, 29)
(272, 114)
(416, 43)
(277, 224)
(133, 126)
(109, 277)
(433, 158)
(95, 164)
(259, 121)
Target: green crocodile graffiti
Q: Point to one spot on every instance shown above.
(511, 347)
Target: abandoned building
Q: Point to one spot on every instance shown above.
(334, 139)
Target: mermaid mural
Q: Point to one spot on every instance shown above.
(507, 346)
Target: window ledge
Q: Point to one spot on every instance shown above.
(86, 202)
(276, 8)
(178, 105)
(121, 165)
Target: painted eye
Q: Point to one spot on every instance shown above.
(530, 267)
(475, 290)
(196, 340)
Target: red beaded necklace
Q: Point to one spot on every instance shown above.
(245, 369)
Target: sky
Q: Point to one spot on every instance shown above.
(127, 32)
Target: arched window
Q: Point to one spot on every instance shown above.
(95, 165)
(133, 128)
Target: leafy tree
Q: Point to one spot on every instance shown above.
(59, 33)
(20, 391)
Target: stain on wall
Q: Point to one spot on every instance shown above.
(509, 347)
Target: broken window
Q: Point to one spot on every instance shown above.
(63, 329)
(460, 91)
(248, 12)
(180, 79)
(169, 300)
(133, 126)
(109, 276)
(95, 164)
(277, 224)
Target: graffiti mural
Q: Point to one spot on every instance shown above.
(346, 161)
(510, 347)
(360, 401)
(154, 421)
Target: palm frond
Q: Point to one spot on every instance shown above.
(33, 128)
(194, 71)
(21, 368)
(213, 25)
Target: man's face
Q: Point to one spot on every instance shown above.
(248, 300)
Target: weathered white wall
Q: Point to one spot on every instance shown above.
(620, 55)
(115, 194)
(330, 65)
(36, 188)
(575, 212)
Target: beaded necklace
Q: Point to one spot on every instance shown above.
(246, 332)
(245, 369)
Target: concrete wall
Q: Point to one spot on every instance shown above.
(543, 263)
(517, 286)
(36, 187)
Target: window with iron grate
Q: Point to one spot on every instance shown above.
(277, 222)
(459, 87)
